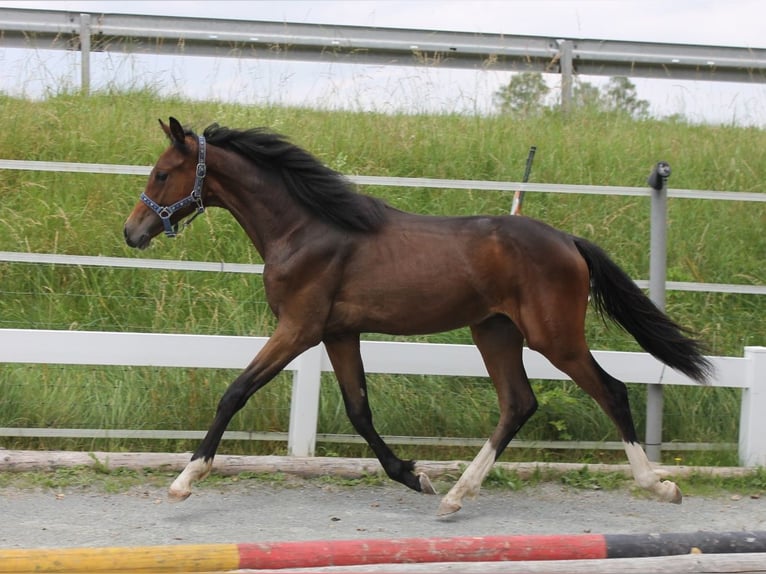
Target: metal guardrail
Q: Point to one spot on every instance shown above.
(66, 30)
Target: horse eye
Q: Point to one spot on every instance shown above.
(161, 176)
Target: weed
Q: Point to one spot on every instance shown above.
(588, 480)
(505, 479)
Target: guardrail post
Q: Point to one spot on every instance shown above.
(566, 64)
(658, 180)
(752, 422)
(85, 53)
(304, 404)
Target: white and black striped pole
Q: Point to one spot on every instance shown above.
(518, 196)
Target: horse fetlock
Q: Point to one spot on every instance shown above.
(647, 480)
(664, 490)
(472, 492)
(651, 479)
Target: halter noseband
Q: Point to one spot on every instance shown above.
(195, 197)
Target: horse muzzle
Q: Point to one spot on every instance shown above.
(136, 237)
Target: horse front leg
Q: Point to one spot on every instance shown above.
(347, 363)
(278, 351)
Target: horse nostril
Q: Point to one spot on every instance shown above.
(128, 240)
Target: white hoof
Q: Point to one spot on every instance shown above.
(447, 507)
(178, 495)
(646, 477)
(194, 471)
(425, 484)
(669, 492)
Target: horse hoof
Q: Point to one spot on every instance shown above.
(447, 508)
(425, 484)
(177, 495)
(667, 491)
(675, 495)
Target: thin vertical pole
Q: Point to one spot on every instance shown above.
(518, 196)
(658, 180)
(85, 53)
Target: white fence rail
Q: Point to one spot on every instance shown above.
(213, 351)
(412, 182)
(235, 352)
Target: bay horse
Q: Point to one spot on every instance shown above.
(338, 263)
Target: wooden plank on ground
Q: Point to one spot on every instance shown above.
(27, 460)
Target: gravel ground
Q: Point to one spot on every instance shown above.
(253, 511)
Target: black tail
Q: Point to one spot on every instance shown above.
(615, 295)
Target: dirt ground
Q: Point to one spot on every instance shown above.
(303, 509)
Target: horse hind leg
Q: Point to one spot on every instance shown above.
(553, 324)
(500, 344)
(612, 395)
(643, 473)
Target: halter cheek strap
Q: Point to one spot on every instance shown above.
(195, 197)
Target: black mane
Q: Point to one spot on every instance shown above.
(323, 191)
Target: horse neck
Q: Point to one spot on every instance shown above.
(259, 202)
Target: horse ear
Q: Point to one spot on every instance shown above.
(176, 135)
(165, 129)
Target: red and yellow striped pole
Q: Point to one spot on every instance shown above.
(319, 553)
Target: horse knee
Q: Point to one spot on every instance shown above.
(233, 399)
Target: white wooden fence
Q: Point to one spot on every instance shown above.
(211, 351)
(167, 350)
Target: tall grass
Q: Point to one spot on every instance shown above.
(717, 242)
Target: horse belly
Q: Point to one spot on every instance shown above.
(410, 310)
(424, 276)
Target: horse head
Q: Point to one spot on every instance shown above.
(166, 199)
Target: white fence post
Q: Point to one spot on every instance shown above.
(752, 419)
(304, 404)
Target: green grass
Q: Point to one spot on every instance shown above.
(716, 242)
